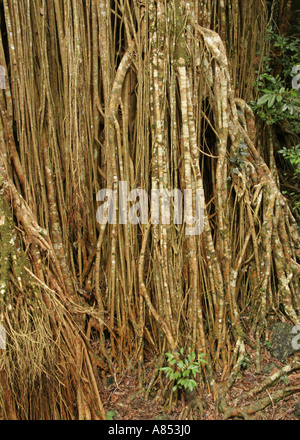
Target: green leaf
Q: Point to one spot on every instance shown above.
(195, 367)
(172, 376)
(110, 415)
(200, 358)
(263, 100)
(181, 365)
(164, 368)
(271, 101)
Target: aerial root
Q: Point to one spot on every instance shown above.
(196, 405)
(247, 411)
(271, 380)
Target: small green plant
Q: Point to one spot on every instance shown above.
(244, 363)
(293, 156)
(268, 344)
(285, 379)
(279, 101)
(183, 370)
(289, 54)
(110, 415)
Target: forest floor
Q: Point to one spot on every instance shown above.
(123, 402)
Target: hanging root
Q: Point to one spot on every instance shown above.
(247, 411)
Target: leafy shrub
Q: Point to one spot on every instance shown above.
(293, 156)
(183, 371)
(279, 101)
